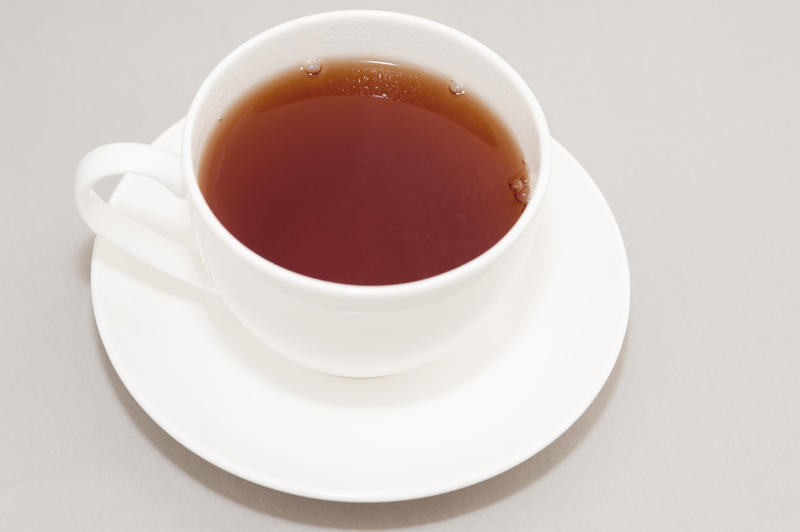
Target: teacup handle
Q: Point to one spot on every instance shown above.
(155, 249)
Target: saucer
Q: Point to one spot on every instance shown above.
(492, 402)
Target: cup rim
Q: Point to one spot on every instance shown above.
(440, 281)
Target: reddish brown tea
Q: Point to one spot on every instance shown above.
(364, 173)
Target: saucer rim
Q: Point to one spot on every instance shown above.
(475, 477)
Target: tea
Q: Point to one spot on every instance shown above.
(364, 172)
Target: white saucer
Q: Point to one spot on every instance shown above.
(498, 399)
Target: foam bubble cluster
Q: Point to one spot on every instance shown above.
(521, 187)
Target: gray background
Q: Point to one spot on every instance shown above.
(685, 113)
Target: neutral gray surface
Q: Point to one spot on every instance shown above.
(686, 114)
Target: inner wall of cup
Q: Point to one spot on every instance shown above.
(368, 35)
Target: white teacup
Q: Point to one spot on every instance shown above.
(357, 331)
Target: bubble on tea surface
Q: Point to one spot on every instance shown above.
(312, 66)
(523, 196)
(456, 87)
(516, 184)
